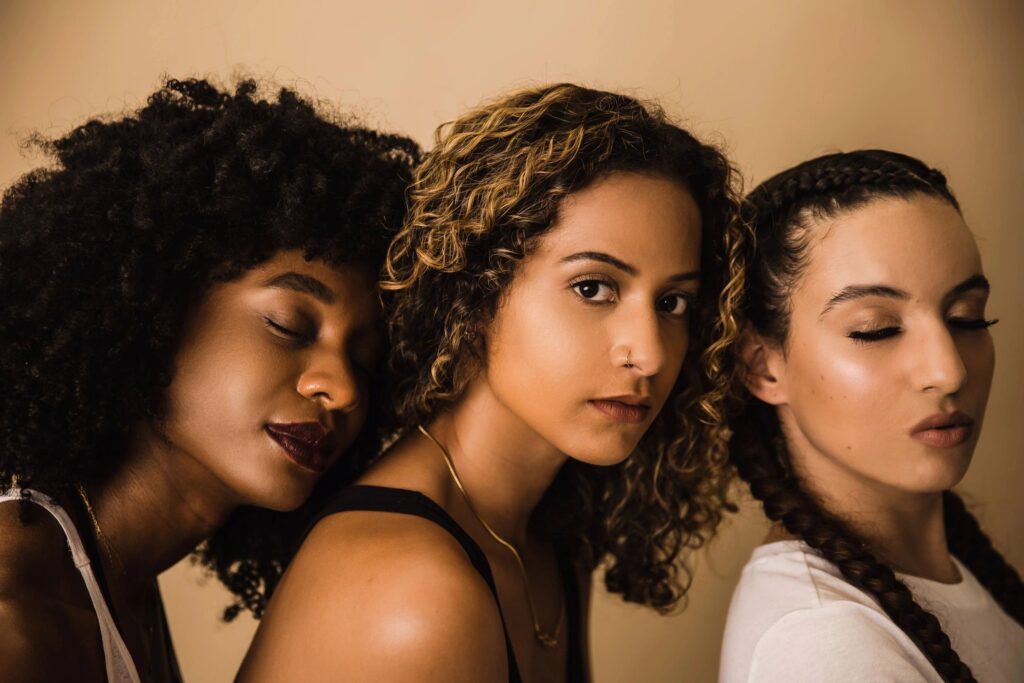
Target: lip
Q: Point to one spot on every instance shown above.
(307, 444)
(628, 408)
(944, 430)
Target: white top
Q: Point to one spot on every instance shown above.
(794, 618)
(120, 667)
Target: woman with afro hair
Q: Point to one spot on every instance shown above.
(553, 303)
(191, 329)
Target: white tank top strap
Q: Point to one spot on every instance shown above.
(120, 667)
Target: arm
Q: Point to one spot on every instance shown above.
(368, 598)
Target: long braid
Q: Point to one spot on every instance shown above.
(777, 209)
(784, 501)
(973, 548)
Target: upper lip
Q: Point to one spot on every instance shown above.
(940, 420)
(628, 399)
(312, 434)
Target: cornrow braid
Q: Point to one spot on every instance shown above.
(837, 181)
(778, 211)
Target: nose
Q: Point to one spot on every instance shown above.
(639, 336)
(330, 380)
(940, 365)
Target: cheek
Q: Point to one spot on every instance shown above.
(538, 350)
(838, 393)
(220, 389)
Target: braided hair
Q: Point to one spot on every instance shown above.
(780, 212)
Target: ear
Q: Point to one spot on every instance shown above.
(761, 363)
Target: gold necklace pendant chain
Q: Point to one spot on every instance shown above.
(115, 559)
(546, 639)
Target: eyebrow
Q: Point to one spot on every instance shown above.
(973, 282)
(297, 282)
(622, 265)
(854, 292)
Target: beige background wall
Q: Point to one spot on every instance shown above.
(776, 81)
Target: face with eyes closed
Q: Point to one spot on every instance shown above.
(271, 377)
(613, 279)
(886, 372)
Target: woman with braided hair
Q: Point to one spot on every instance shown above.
(191, 328)
(865, 368)
(552, 307)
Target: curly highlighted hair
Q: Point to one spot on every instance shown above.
(478, 204)
(104, 254)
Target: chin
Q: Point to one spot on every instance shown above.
(280, 494)
(936, 475)
(603, 452)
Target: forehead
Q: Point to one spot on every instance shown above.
(649, 221)
(920, 244)
(352, 287)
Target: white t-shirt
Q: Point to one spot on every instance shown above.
(794, 618)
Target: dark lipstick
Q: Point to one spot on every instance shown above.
(308, 444)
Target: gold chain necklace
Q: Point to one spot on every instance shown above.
(546, 639)
(115, 559)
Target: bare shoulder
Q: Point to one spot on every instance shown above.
(392, 597)
(44, 607)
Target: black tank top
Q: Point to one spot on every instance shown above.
(404, 501)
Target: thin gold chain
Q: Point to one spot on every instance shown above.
(115, 559)
(546, 639)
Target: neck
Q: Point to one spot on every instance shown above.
(904, 529)
(156, 507)
(504, 465)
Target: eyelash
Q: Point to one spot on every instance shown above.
(575, 283)
(287, 331)
(869, 336)
(593, 279)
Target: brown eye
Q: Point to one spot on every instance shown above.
(594, 290)
(675, 304)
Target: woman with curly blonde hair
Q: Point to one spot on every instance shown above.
(554, 309)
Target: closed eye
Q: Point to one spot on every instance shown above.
(866, 336)
(972, 323)
(287, 332)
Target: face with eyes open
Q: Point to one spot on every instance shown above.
(272, 377)
(589, 340)
(885, 374)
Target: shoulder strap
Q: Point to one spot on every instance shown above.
(574, 652)
(120, 667)
(386, 499)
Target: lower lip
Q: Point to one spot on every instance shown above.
(943, 438)
(300, 452)
(622, 412)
